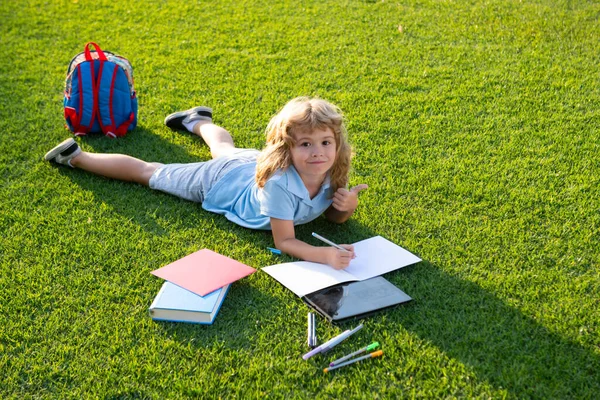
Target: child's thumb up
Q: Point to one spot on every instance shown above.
(358, 188)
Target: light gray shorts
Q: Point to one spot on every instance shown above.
(193, 181)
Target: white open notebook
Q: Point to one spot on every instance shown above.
(375, 256)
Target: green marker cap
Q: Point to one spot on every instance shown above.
(372, 346)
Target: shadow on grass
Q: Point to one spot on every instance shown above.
(147, 145)
(499, 343)
(495, 340)
(240, 322)
(137, 202)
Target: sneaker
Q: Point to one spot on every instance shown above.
(177, 120)
(64, 152)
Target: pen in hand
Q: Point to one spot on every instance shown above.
(329, 242)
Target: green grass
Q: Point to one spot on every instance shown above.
(476, 126)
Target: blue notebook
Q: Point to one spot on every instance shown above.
(173, 303)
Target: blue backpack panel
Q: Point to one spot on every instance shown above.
(99, 94)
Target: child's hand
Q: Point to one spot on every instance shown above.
(347, 200)
(340, 259)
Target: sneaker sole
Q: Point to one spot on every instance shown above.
(183, 114)
(65, 144)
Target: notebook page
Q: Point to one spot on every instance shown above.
(376, 256)
(305, 277)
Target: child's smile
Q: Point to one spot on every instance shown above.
(313, 155)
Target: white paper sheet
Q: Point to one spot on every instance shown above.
(375, 256)
(303, 277)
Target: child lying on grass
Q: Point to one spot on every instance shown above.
(300, 174)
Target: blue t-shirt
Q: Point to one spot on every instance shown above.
(284, 196)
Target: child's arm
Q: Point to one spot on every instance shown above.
(344, 203)
(285, 240)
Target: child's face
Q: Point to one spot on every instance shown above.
(313, 154)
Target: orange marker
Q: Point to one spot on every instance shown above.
(372, 355)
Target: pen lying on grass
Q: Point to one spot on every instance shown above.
(332, 342)
(372, 355)
(357, 352)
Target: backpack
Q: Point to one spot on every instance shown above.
(99, 94)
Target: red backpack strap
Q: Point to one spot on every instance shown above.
(105, 100)
(122, 129)
(95, 83)
(114, 102)
(97, 96)
(88, 54)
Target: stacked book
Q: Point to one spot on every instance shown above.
(195, 287)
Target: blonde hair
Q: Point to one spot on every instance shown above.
(301, 115)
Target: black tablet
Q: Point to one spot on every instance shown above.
(356, 299)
